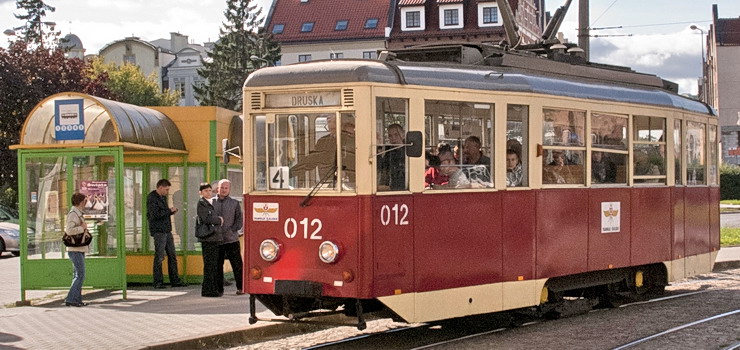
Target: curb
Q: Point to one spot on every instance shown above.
(238, 337)
(726, 265)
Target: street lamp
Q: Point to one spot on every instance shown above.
(12, 31)
(694, 27)
(255, 58)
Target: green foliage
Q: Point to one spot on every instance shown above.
(729, 179)
(28, 75)
(729, 237)
(33, 32)
(128, 84)
(9, 198)
(229, 63)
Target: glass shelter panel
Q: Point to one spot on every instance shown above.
(46, 179)
(391, 126)
(155, 174)
(517, 145)
(695, 154)
(176, 199)
(133, 193)
(196, 175)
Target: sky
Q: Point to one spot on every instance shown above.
(661, 43)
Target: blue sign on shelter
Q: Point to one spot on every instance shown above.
(69, 120)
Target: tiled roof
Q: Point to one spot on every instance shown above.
(325, 14)
(728, 31)
(448, 1)
(410, 2)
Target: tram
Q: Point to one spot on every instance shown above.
(446, 181)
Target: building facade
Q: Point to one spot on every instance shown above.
(722, 81)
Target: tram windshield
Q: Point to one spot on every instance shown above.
(305, 151)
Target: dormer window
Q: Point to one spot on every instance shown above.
(278, 28)
(412, 18)
(488, 14)
(371, 23)
(307, 27)
(450, 16)
(341, 25)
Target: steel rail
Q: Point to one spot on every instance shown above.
(675, 329)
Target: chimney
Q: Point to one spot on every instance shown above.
(178, 41)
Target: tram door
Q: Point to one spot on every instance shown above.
(47, 181)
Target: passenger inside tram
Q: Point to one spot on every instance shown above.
(603, 169)
(513, 169)
(561, 169)
(392, 160)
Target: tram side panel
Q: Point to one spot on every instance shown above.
(562, 232)
(457, 240)
(608, 239)
(678, 246)
(518, 235)
(697, 221)
(714, 224)
(651, 225)
(393, 222)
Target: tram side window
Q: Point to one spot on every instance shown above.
(677, 151)
(391, 122)
(712, 155)
(517, 145)
(608, 149)
(463, 132)
(649, 148)
(260, 157)
(695, 156)
(564, 147)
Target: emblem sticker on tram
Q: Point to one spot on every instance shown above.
(265, 211)
(610, 217)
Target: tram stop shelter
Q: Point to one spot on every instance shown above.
(115, 153)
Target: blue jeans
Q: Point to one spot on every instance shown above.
(78, 277)
(164, 243)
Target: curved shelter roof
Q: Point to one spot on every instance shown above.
(105, 122)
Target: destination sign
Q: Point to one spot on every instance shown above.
(304, 99)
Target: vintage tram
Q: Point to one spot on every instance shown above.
(540, 177)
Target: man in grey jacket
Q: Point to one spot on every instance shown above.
(229, 209)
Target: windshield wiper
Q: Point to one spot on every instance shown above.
(315, 189)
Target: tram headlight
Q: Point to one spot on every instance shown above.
(328, 252)
(269, 250)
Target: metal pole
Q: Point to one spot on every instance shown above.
(583, 28)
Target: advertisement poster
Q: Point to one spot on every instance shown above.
(52, 205)
(96, 206)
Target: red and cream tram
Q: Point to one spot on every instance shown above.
(541, 178)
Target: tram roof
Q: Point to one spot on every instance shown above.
(477, 77)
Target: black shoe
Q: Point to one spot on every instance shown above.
(179, 284)
(211, 295)
(75, 304)
(159, 286)
(226, 283)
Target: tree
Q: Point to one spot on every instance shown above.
(128, 84)
(229, 63)
(33, 32)
(26, 77)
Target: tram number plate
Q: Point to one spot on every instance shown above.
(394, 215)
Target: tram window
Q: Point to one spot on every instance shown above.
(563, 128)
(391, 165)
(609, 143)
(677, 151)
(517, 145)
(301, 152)
(712, 155)
(649, 149)
(464, 132)
(695, 156)
(563, 167)
(260, 157)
